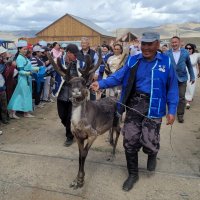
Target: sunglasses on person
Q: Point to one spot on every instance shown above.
(189, 48)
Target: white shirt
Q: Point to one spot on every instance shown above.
(114, 61)
(176, 55)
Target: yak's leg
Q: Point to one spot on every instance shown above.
(77, 182)
(115, 126)
(83, 152)
(116, 140)
(112, 156)
(111, 136)
(83, 155)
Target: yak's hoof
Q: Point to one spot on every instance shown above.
(111, 142)
(77, 184)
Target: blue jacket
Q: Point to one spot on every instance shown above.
(164, 86)
(180, 67)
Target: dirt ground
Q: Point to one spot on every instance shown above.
(36, 166)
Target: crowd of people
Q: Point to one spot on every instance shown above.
(26, 79)
(150, 77)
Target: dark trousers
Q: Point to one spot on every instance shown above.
(181, 104)
(3, 105)
(139, 131)
(65, 112)
(36, 93)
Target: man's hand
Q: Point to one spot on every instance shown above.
(170, 119)
(94, 86)
(192, 81)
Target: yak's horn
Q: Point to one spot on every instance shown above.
(88, 63)
(55, 66)
(122, 61)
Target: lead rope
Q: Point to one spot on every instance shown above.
(125, 106)
(170, 133)
(134, 110)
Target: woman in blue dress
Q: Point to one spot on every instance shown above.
(21, 99)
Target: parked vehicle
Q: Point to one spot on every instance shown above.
(10, 45)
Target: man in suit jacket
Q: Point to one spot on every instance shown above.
(180, 59)
(85, 49)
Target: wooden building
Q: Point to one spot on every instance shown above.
(128, 37)
(72, 28)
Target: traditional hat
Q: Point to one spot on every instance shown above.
(42, 43)
(22, 43)
(38, 48)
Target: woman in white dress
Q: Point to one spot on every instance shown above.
(195, 60)
(113, 63)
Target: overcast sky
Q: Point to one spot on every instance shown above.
(109, 14)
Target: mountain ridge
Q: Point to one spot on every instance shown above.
(14, 35)
(185, 30)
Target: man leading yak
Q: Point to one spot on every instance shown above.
(148, 83)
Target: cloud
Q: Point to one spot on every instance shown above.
(112, 14)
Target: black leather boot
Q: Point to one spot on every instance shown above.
(132, 166)
(180, 118)
(69, 133)
(151, 162)
(69, 137)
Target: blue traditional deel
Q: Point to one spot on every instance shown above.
(21, 99)
(164, 86)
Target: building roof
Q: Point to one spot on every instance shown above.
(93, 26)
(128, 36)
(87, 23)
